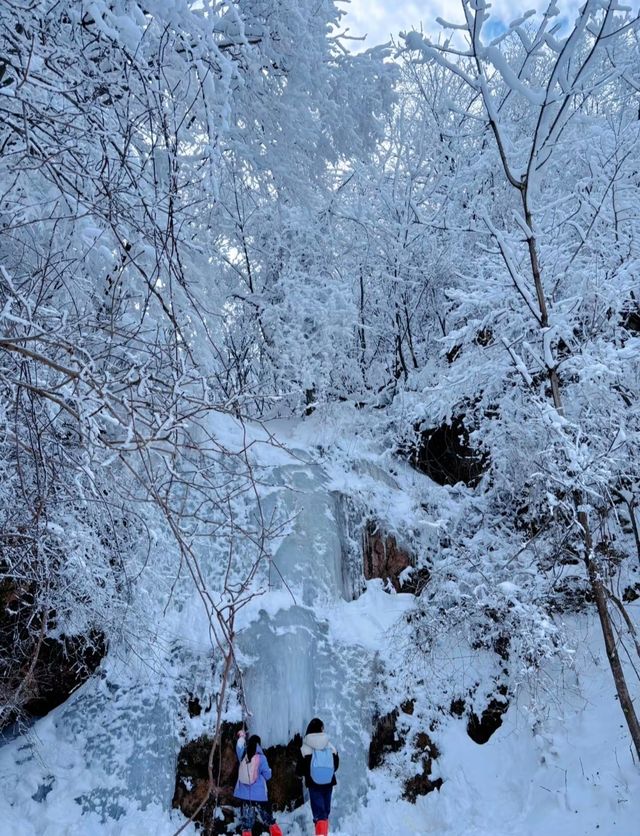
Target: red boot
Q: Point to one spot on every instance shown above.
(274, 830)
(246, 833)
(322, 827)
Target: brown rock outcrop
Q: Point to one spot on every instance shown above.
(384, 558)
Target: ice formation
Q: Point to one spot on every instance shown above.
(299, 671)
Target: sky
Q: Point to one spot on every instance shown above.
(380, 19)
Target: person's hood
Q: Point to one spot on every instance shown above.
(316, 740)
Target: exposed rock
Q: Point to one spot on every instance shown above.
(408, 706)
(193, 706)
(63, 665)
(444, 454)
(631, 593)
(415, 580)
(426, 752)
(457, 707)
(384, 558)
(385, 738)
(481, 728)
(285, 788)
(421, 784)
(37, 671)
(192, 779)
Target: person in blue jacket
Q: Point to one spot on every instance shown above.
(251, 786)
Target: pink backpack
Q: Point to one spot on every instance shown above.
(249, 770)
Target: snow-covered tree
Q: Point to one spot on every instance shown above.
(541, 357)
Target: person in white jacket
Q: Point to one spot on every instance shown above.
(317, 764)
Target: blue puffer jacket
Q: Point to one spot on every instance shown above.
(257, 791)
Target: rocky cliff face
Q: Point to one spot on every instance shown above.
(38, 670)
(212, 804)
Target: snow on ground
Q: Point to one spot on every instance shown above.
(571, 773)
(568, 773)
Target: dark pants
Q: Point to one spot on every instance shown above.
(255, 813)
(320, 798)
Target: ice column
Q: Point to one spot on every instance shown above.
(298, 672)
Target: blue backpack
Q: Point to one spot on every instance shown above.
(322, 766)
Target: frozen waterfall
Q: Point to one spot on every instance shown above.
(299, 671)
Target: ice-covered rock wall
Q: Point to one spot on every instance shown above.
(103, 762)
(298, 671)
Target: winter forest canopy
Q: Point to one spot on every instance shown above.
(241, 265)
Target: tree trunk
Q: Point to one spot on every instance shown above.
(600, 596)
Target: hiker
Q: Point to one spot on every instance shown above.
(317, 764)
(251, 786)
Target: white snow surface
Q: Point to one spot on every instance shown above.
(103, 763)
